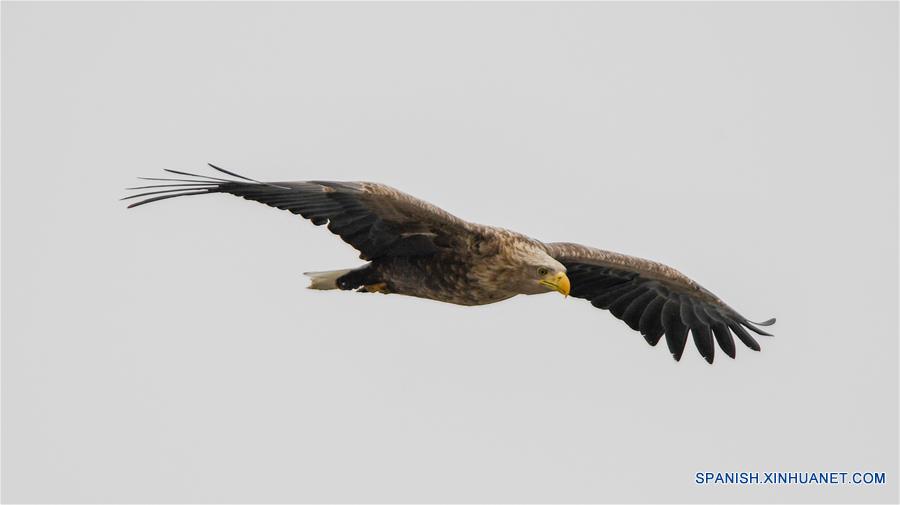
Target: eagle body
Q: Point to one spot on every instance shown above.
(474, 272)
(414, 248)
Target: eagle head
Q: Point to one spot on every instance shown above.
(537, 272)
(554, 279)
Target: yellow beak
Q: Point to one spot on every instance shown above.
(558, 282)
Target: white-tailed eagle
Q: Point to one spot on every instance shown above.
(414, 248)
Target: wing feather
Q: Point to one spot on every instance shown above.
(635, 309)
(375, 219)
(656, 300)
(676, 330)
(651, 321)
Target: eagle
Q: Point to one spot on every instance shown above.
(414, 248)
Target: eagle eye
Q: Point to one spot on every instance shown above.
(543, 271)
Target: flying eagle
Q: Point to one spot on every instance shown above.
(414, 248)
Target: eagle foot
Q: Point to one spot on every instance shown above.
(380, 287)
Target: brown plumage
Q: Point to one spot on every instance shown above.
(414, 248)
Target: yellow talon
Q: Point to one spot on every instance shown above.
(381, 287)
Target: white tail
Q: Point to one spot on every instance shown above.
(325, 280)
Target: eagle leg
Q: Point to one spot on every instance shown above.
(360, 279)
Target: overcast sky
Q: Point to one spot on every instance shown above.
(171, 353)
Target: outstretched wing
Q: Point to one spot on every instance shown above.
(655, 299)
(375, 219)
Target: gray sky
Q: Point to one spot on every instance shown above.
(171, 353)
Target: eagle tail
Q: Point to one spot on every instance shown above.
(326, 280)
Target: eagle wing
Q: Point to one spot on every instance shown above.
(655, 300)
(375, 219)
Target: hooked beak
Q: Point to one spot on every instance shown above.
(557, 282)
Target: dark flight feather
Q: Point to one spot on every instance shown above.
(724, 338)
(613, 281)
(617, 308)
(635, 309)
(375, 219)
(702, 333)
(651, 321)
